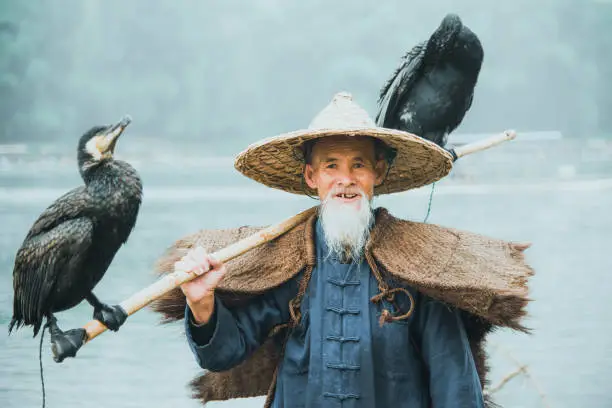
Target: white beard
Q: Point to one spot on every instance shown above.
(346, 226)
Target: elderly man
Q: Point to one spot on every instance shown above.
(363, 309)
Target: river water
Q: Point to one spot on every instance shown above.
(148, 365)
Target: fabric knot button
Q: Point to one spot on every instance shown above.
(343, 366)
(342, 283)
(341, 397)
(342, 339)
(342, 311)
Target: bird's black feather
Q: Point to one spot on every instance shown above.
(401, 81)
(75, 203)
(431, 91)
(74, 240)
(44, 259)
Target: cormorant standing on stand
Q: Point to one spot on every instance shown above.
(71, 245)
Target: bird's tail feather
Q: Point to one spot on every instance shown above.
(15, 324)
(17, 321)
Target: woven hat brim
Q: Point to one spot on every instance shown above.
(278, 162)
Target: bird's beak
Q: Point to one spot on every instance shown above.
(107, 144)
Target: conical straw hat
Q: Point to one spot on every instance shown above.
(278, 162)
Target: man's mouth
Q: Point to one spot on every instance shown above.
(347, 197)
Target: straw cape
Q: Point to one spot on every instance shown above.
(485, 278)
(278, 162)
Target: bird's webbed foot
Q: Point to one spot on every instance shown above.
(64, 344)
(110, 316)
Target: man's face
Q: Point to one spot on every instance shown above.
(345, 166)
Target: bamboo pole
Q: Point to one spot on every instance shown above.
(173, 280)
(484, 144)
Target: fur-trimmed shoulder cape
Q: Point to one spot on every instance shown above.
(484, 277)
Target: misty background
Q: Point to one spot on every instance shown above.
(235, 71)
(204, 79)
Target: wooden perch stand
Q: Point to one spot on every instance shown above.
(173, 280)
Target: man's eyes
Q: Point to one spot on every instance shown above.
(334, 165)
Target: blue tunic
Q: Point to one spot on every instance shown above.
(339, 356)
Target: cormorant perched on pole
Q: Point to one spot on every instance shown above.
(71, 245)
(432, 89)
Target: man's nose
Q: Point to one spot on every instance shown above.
(345, 179)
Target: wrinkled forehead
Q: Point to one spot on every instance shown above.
(342, 147)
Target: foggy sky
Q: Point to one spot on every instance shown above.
(229, 73)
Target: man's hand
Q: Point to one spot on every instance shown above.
(200, 291)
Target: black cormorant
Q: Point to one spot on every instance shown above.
(70, 246)
(433, 88)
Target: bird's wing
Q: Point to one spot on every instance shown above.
(469, 102)
(74, 204)
(42, 259)
(400, 83)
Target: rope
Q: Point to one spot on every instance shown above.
(42, 380)
(430, 201)
(295, 303)
(389, 294)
